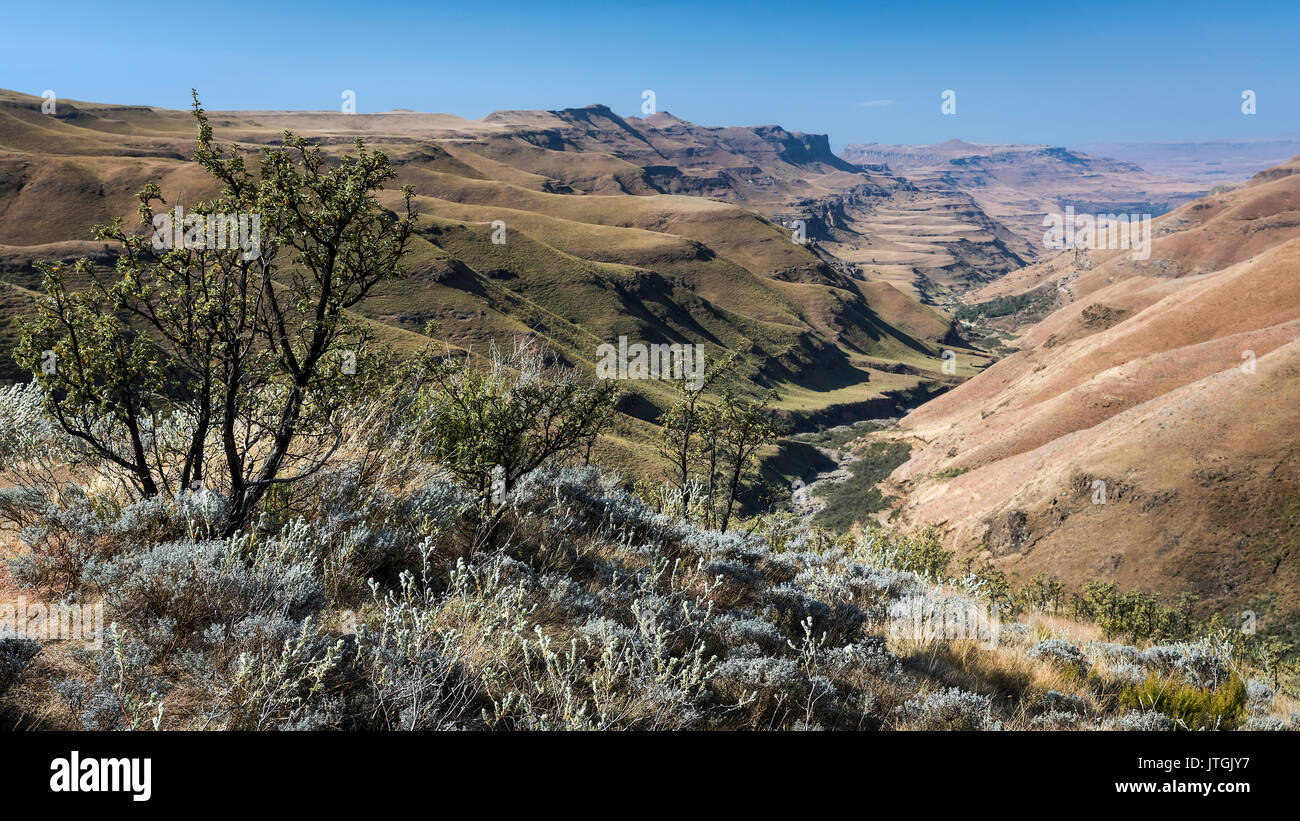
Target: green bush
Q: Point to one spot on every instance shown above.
(994, 585)
(1191, 707)
(1042, 592)
(1135, 614)
(921, 553)
(855, 499)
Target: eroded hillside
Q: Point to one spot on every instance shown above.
(1018, 185)
(1145, 431)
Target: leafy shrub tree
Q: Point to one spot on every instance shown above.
(1042, 592)
(489, 425)
(684, 426)
(1272, 654)
(1191, 707)
(712, 448)
(1136, 614)
(744, 428)
(194, 365)
(921, 553)
(994, 584)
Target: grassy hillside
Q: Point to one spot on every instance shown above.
(1169, 383)
(594, 248)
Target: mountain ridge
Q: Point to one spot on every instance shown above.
(593, 248)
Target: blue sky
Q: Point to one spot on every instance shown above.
(1022, 72)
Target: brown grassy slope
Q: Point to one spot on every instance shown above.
(1138, 384)
(1201, 236)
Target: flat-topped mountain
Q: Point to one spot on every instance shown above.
(1019, 184)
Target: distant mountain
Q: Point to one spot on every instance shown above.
(1019, 184)
(868, 221)
(1206, 163)
(1146, 429)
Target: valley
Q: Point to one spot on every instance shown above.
(837, 279)
(1144, 428)
(654, 229)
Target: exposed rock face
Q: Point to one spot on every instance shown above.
(1101, 317)
(1019, 184)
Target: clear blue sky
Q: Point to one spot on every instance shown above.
(1061, 73)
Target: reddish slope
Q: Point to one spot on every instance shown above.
(1138, 383)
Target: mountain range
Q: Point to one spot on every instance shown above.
(653, 229)
(1139, 427)
(1020, 184)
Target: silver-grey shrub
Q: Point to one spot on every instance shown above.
(1143, 721)
(951, 709)
(1064, 655)
(192, 586)
(1268, 724)
(123, 693)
